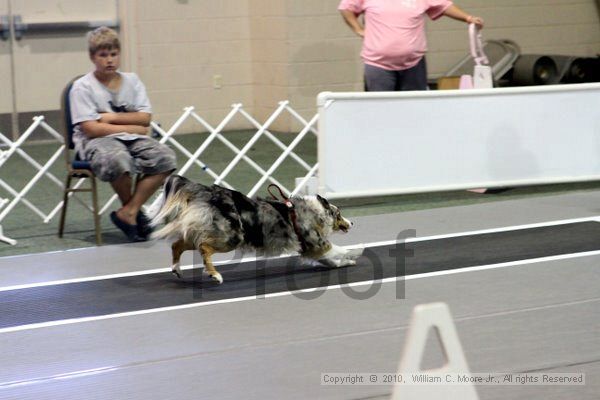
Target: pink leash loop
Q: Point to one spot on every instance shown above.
(476, 42)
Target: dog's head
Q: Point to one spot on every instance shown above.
(339, 223)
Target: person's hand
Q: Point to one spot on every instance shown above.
(475, 20)
(360, 32)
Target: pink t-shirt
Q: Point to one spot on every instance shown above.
(395, 29)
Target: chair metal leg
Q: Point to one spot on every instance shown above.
(96, 212)
(63, 212)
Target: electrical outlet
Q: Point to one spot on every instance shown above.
(217, 81)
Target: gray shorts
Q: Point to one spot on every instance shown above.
(111, 157)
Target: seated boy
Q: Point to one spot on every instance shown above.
(111, 113)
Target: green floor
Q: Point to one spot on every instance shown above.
(34, 236)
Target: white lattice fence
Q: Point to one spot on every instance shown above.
(217, 133)
(193, 158)
(18, 196)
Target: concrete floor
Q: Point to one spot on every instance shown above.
(528, 317)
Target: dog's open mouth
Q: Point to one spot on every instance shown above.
(344, 229)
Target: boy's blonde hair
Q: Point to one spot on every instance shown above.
(103, 38)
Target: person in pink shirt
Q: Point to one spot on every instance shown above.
(394, 42)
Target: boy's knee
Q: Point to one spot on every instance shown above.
(108, 166)
(165, 158)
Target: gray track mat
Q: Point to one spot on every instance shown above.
(523, 316)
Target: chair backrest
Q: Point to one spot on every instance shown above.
(67, 124)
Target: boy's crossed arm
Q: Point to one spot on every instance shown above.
(126, 118)
(109, 123)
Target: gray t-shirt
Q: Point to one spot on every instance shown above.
(88, 98)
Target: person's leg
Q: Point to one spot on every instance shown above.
(144, 189)
(379, 79)
(155, 161)
(122, 186)
(414, 78)
(111, 162)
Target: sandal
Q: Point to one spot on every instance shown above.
(144, 229)
(131, 231)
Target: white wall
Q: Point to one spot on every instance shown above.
(271, 50)
(183, 46)
(263, 51)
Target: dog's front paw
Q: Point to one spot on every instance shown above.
(340, 257)
(215, 277)
(347, 262)
(355, 252)
(337, 262)
(328, 262)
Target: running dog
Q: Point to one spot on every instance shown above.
(217, 220)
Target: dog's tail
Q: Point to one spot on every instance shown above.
(169, 204)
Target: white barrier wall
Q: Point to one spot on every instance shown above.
(409, 142)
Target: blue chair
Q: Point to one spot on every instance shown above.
(76, 168)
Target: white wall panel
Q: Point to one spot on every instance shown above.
(392, 143)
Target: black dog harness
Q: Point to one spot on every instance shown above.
(291, 211)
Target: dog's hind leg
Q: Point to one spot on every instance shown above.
(207, 252)
(177, 249)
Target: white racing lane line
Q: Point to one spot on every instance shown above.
(291, 293)
(350, 247)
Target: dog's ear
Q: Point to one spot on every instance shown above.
(323, 201)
